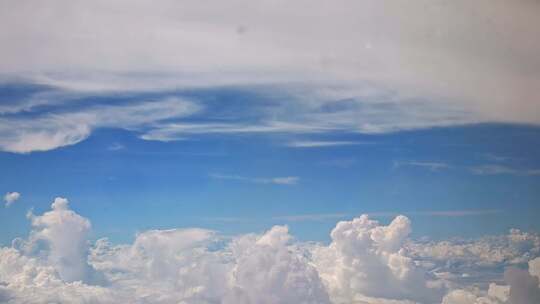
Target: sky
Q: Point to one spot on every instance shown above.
(270, 152)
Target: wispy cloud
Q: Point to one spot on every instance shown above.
(51, 130)
(495, 158)
(357, 89)
(226, 219)
(279, 51)
(432, 166)
(339, 162)
(282, 180)
(443, 213)
(116, 147)
(322, 144)
(179, 131)
(333, 216)
(311, 217)
(499, 169)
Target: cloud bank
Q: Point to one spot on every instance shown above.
(365, 262)
(357, 66)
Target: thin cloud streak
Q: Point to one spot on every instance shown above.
(51, 130)
(333, 216)
(323, 144)
(500, 170)
(432, 166)
(280, 180)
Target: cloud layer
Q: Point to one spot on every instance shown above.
(359, 66)
(365, 262)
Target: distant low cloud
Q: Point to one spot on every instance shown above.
(11, 197)
(365, 262)
(283, 180)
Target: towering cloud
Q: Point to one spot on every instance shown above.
(366, 259)
(61, 236)
(366, 262)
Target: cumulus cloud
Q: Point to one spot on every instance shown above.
(365, 262)
(366, 259)
(11, 197)
(61, 235)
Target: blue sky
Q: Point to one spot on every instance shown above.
(467, 180)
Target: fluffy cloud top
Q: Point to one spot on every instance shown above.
(61, 236)
(365, 262)
(366, 259)
(11, 197)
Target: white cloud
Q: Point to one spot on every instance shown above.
(11, 197)
(52, 130)
(178, 131)
(422, 48)
(399, 65)
(319, 144)
(64, 234)
(366, 262)
(514, 248)
(523, 287)
(366, 259)
(432, 166)
(174, 266)
(284, 180)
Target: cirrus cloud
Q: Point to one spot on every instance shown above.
(374, 67)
